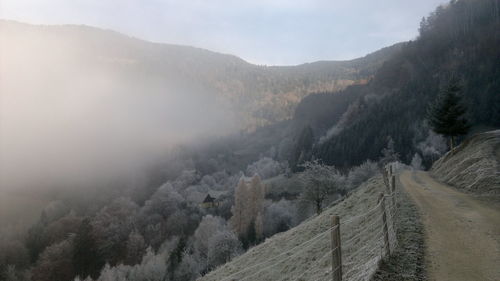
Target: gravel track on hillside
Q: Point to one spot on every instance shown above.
(462, 234)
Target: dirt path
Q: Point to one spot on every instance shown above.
(462, 234)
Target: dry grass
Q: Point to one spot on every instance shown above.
(473, 166)
(312, 261)
(407, 262)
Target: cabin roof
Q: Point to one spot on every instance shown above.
(208, 199)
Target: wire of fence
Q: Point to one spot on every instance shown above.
(366, 239)
(303, 244)
(366, 245)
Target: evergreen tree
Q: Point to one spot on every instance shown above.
(389, 153)
(136, 248)
(302, 149)
(446, 115)
(86, 259)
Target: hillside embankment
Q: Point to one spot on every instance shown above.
(304, 252)
(474, 166)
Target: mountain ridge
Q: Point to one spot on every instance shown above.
(258, 94)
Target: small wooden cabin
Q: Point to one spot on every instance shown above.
(209, 202)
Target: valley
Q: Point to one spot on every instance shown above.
(123, 159)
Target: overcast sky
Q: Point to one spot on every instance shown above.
(269, 32)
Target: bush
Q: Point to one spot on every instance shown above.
(359, 174)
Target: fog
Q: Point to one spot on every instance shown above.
(73, 114)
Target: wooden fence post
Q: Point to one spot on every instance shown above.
(336, 250)
(393, 191)
(387, 180)
(384, 222)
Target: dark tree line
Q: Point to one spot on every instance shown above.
(458, 41)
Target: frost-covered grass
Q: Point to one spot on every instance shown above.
(407, 262)
(474, 165)
(286, 257)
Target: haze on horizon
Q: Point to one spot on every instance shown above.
(263, 32)
(71, 114)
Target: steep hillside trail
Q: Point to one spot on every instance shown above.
(461, 232)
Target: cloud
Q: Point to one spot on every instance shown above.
(68, 117)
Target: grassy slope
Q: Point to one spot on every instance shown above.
(308, 259)
(474, 165)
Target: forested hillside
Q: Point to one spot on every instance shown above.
(458, 41)
(257, 95)
(199, 205)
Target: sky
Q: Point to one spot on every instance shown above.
(271, 32)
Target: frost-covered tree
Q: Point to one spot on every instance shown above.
(259, 226)
(208, 227)
(240, 220)
(112, 226)
(256, 198)
(135, 247)
(164, 202)
(177, 223)
(361, 173)
(389, 153)
(416, 162)
(188, 269)
(320, 182)
(59, 230)
(279, 216)
(266, 168)
(55, 263)
(187, 178)
(433, 146)
(116, 273)
(248, 204)
(153, 267)
(222, 247)
(153, 217)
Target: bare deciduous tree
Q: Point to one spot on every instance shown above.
(320, 182)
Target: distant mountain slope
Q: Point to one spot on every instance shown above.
(258, 95)
(474, 166)
(459, 40)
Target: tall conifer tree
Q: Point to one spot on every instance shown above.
(447, 115)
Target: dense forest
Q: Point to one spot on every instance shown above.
(458, 41)
(205, 203)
